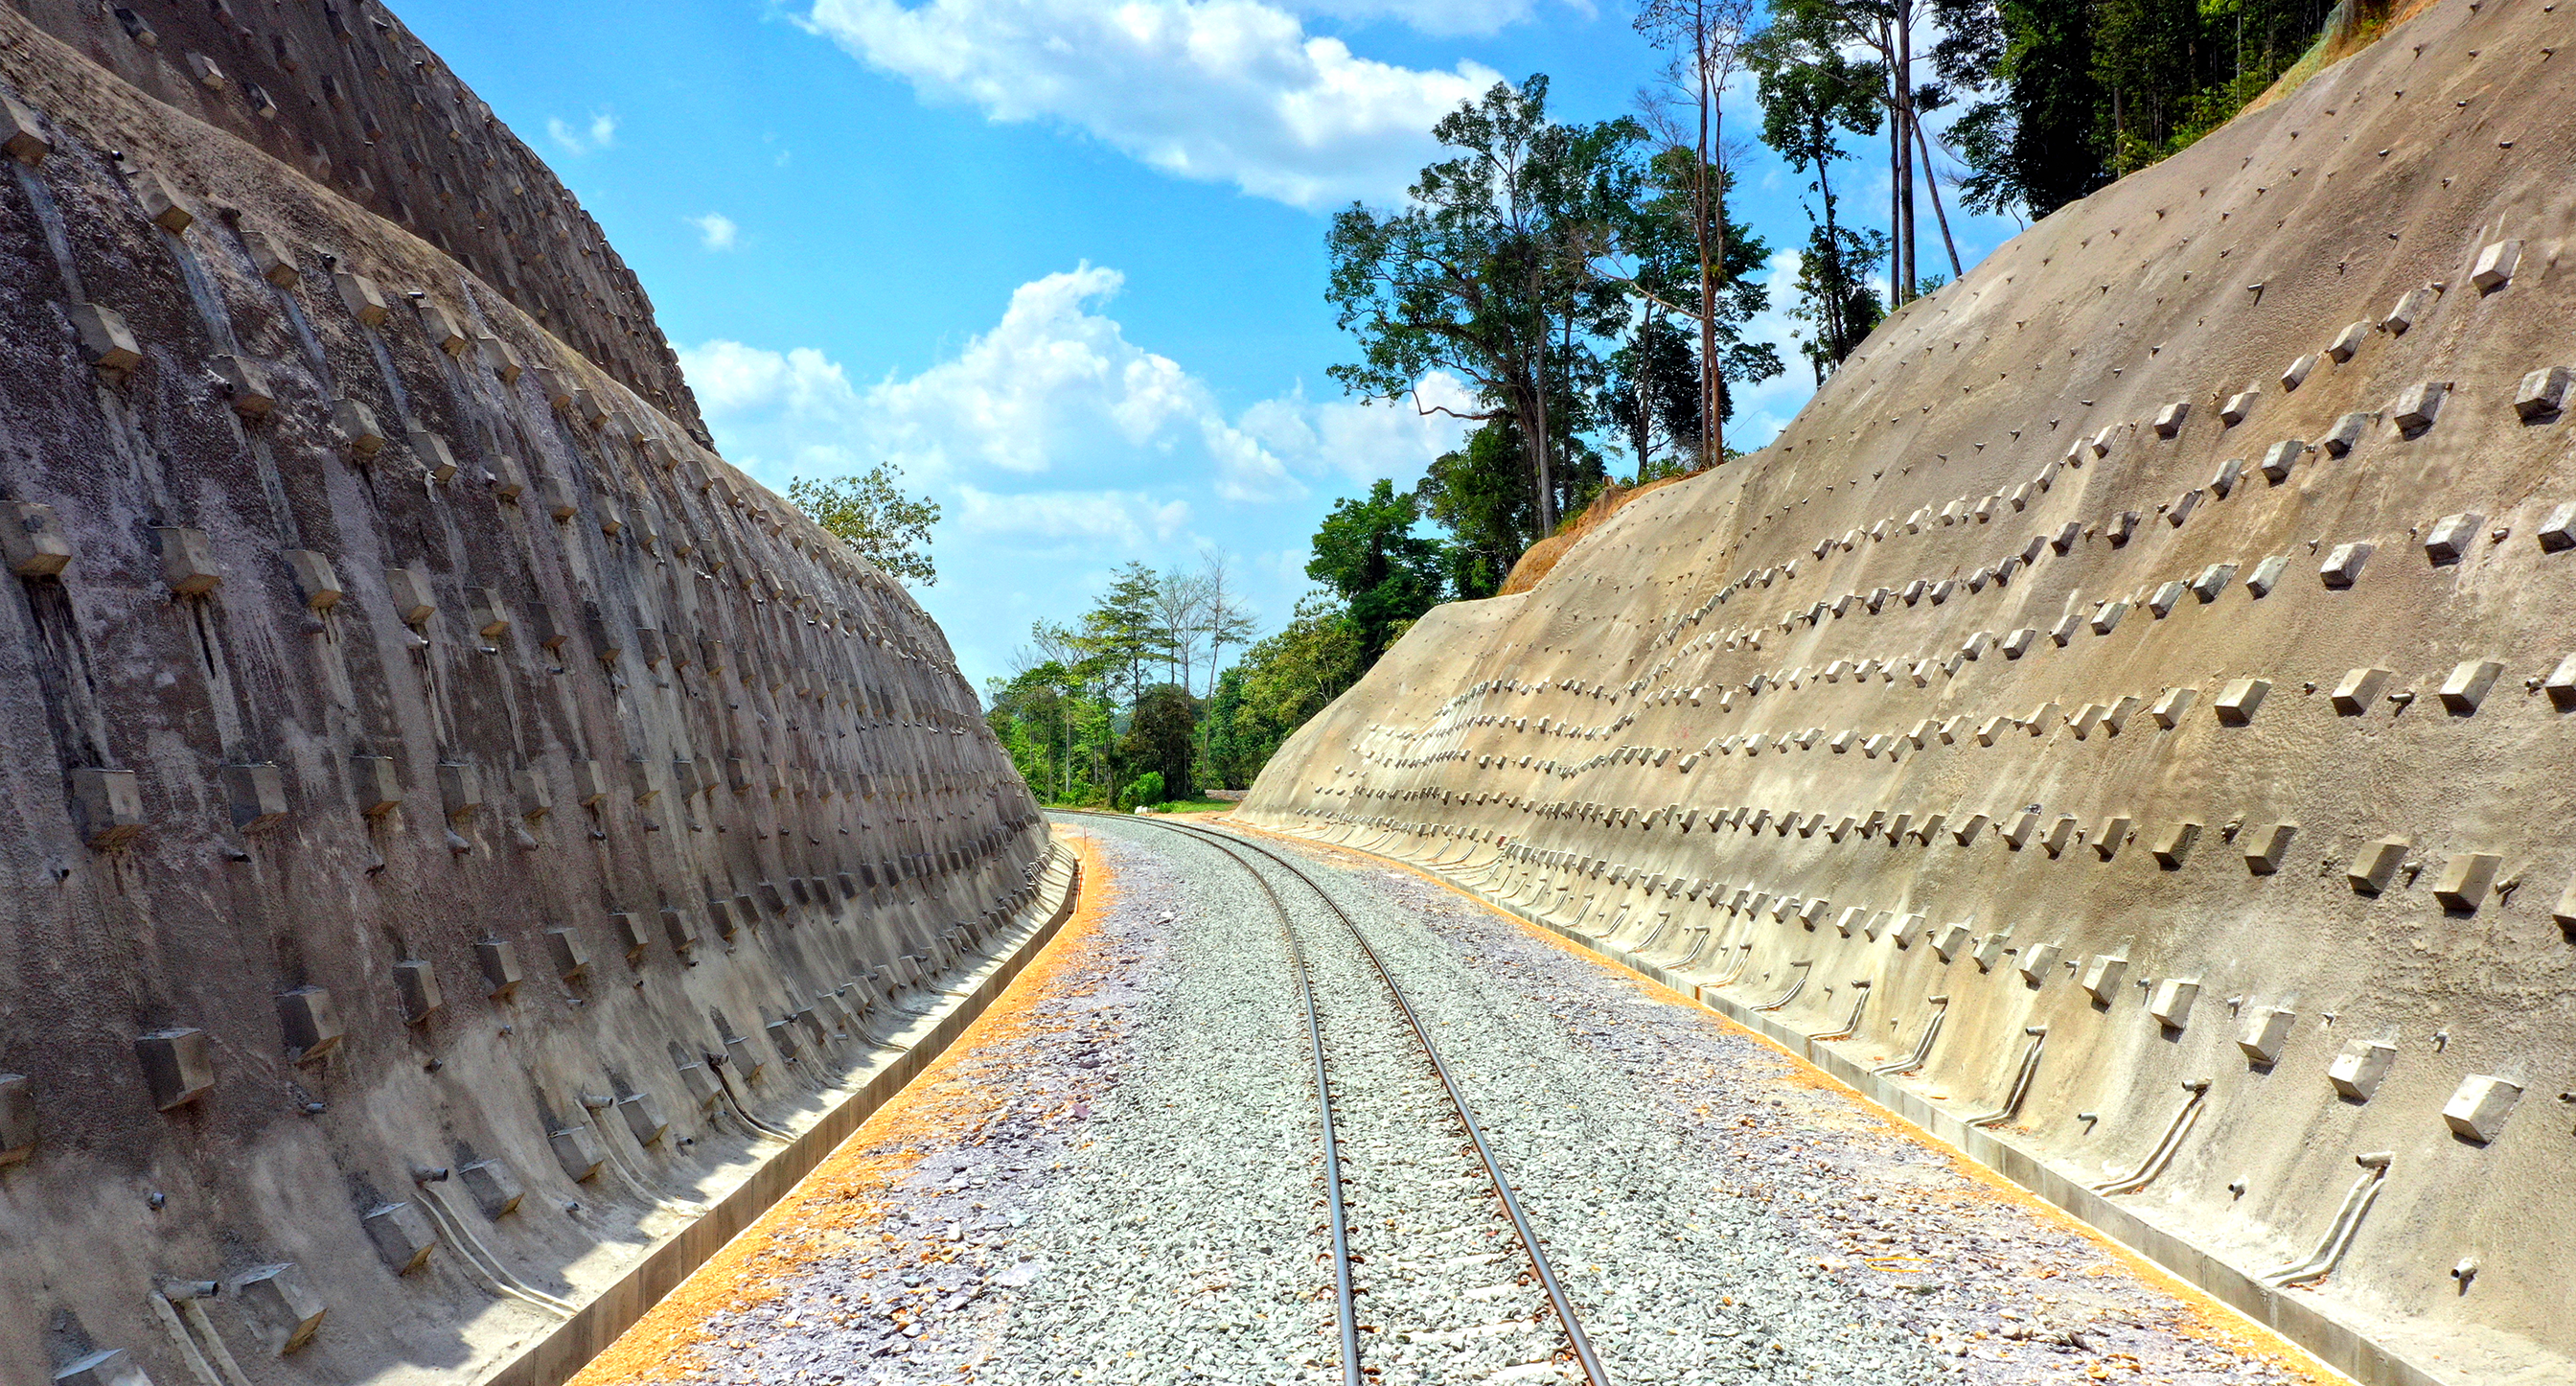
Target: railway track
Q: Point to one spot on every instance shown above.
(1438, 1276)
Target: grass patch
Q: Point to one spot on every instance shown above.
(1195, 806)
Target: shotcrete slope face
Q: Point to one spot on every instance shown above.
(1970, 645)
(417, 751)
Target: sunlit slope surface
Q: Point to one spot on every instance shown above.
(2160, 636)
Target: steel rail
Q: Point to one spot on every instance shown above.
(1583, 1353)
(1345, 1308)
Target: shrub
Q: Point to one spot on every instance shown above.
(1143, 791)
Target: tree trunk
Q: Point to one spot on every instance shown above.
(1832, 321)
(1529, 459)
(1538, 441)
(1932, 185)
(1712, 380)
(1895, 193)
(1709, 437)
(1904, 72)
(1645, 430)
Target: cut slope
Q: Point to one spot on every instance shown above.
(418, 752)
(1917, 660)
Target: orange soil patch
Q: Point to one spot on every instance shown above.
(1542, 557)
(843, 1199)
(2351, 28)
(2200, 1314)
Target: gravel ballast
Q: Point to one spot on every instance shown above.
(1143, 1200)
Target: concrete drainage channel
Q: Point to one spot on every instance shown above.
(2338, 1343)
(589, 1330)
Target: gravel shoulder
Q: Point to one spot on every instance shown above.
(1115, 1178)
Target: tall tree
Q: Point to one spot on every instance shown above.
(2034, 140)
(1812, 91)
(1885, 30)
(1229, 621)
(1474, 493)
(1660, 274)
(1119, 635)
(1036, 702)
(1386, 575)
(1654, 393)
(1484, 272)
(1706, 40)
(1839, 307)
(1161, 737)
(1180, 608)
(871, 514)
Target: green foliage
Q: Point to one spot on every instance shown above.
(1144, 791)
(1652, 396)
(1488, 273)
(2082, 91)
(1084, 717)
(1835, 300)
(1119, 636)
(2146, 61)
(1367, 553)
(1288, 678)
(1051, 719)
(1544, 265)
(1810, 87)
(1162, 737)
(1813, 92)
(1817, 63)
(2038, 144)
(1479, 495)
(873, 515)
(1235, 750)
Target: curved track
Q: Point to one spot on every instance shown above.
(1391, 1132)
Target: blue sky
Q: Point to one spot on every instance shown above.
(1060, 261)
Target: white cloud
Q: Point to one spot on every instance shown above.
(601, 133)
(1360, 441)
(1055, 387)
(1763, 409)
(716, 231)
(1283, 572)
(1126, 519)
(1440, 18)
(1058, 448)
(1049, 378)
(1228, 91)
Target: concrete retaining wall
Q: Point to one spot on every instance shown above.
(447, 811)
(2154, 638)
